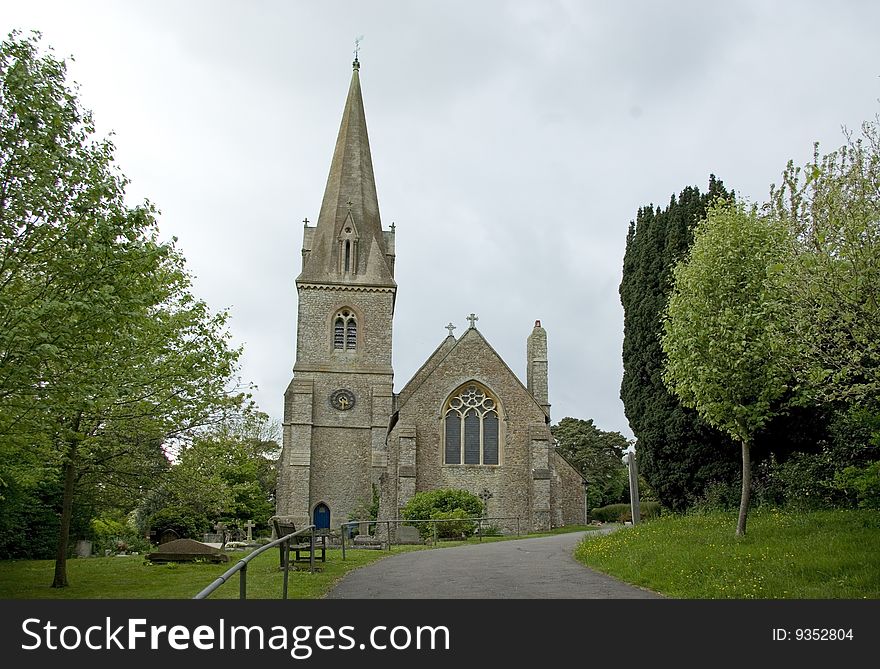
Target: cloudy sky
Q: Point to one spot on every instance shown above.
(513, 142)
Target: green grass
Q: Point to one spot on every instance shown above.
(811, 555)
(131, 577)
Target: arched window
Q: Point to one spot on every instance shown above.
(470, 427)
(345, 331)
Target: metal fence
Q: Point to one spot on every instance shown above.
(241, 565)
(403, 521)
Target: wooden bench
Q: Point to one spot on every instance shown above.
(301, 549)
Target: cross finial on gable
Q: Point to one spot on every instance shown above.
(306, 221)
(450, 327)
(473, 318)
(349, 203)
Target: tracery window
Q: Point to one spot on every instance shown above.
(470, 427)
(345, 331)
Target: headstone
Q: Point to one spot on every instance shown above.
(249, 525)
(211, 538)
(220, 527)
(366, 541)
(407, 534)
(186, 550)
(83, 548)
(168, 535)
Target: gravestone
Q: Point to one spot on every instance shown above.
(220, 528)
(366, 541)
(168, 535)
(249, 525)
(83, 548)
(407, 534)
(186, 550)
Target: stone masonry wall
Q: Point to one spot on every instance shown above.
(510, 483)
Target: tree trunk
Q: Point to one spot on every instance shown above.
(746, 490)
(60, 580)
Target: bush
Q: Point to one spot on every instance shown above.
(863, 483)
(182, 521)
(424, 505)
(113, 531)
(453, 528)
(719, 496)
(622, 513)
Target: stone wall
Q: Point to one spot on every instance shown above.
(524, 435)
(328, 454)
(568, 493)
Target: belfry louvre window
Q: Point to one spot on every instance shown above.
(470, 427)
(345, 331)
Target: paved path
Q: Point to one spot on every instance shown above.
(541, 568)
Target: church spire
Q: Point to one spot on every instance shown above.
(349, 230)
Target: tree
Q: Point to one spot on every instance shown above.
(597, 455)
(226, 473)
(832, 326)
(719, 327)
(679, 453)
(104, 351)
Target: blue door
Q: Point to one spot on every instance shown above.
(321, 519)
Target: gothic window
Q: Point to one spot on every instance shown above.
(345, 331)
(470, 427)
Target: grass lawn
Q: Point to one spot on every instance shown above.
(809, 555)
(130, 577)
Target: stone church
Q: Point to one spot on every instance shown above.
(463, 421)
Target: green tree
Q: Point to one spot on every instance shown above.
(719, 328)
(679, 453)
(832, 326)
(597, 455)
(226, 473)
(104, 352)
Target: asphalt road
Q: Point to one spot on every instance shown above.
(541, 568)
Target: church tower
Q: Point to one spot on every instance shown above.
(337, 407)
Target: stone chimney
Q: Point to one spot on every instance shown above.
(536, 366)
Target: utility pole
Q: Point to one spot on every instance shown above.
(630, 461)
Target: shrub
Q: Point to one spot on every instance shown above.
(719, 496)
(453, 526)
(182, 521)
(621, 513)
(424, 505)
(863, 483)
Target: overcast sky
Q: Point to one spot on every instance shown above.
(513, 142)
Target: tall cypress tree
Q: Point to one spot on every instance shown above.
(679, 454)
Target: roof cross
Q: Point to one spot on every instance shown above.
(450, 327)
(472, 318)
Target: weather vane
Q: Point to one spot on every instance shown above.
(357, 45)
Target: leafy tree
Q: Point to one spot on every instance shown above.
(597, 455)
(719, 336)
(104, 351)
(831, 329)
(226, 473)
(679, 453)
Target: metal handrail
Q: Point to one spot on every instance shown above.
(241, 565)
